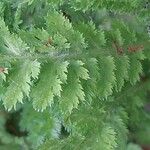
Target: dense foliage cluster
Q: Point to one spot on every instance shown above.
(74, 74)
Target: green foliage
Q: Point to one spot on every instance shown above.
(40, 125)
(107, 77)
(77, 73)
(122, 66)
(19, 84)
(133, 147)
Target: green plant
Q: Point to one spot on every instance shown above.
(74, 74)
